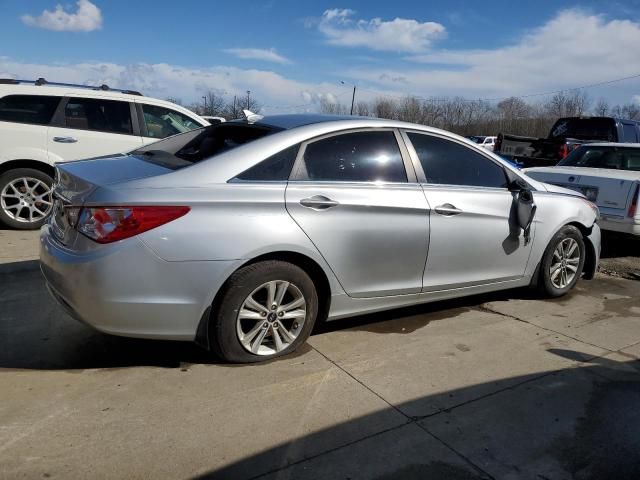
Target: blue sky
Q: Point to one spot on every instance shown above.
(291, 54)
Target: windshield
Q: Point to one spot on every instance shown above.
(585, 128)
(191, 147)
(617, 158)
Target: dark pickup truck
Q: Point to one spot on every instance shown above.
(565, 135)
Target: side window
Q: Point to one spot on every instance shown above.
(33, 109)
(629, 130)
(355, 157)
(275, 168)
(449, 163)
(163, 122)
(110, 116)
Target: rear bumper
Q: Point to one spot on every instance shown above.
(125, 289)
(622, 225)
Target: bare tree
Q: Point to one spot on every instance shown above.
(332, 108)
(175, 100)
(602, 108)
(384, 108)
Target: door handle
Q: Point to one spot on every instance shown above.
(318, 202)
(448, 210)
(65, 139)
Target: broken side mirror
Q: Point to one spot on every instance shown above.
(526, 212)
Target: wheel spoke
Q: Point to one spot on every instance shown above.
(248, 337)
(276, 338)
(271, 294)
(572, 248)
(246, 314)
(280, 292)
(251, 303)
(286, 334)
(573, 261)
(573, 268)
(255, 346)
(298, 302)
(298, 313)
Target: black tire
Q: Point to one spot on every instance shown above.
(5, 179)
(223, 336)
(545, 284)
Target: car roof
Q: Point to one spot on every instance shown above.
(294, 120)
(611, 144)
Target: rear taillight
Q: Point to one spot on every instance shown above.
(110, 224)
(633, 208)
(564, 151)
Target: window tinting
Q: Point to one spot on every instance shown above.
(163, 122)
(449, 163)
(275, 168)
(616, 158)
(34, 109)
(96, 114)
(630, 135)
(355, 157)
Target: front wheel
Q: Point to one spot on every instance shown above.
(267, 310)
(26, 198)
(562, 262)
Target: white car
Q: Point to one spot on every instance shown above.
(487, 142)
(608, 174)
(43, 123)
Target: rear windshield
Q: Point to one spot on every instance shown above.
(585, 128)
(185, 149)
(617, 158)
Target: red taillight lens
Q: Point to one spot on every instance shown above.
(110, 224)
(633, 208)
(564, 151)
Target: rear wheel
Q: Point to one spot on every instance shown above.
(267, 310)
(26, 198)
(562, 262)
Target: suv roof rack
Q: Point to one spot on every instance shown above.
(41, 81)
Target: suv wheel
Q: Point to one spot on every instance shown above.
(267, 310)
(26, 198)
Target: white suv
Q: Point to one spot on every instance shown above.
(42, 123)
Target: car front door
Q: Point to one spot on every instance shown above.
(91, 127)
(474, 237)
(354, 197)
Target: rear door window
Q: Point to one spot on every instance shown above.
(449, 163)
(354, 157)
(109, 116)
(32, 109)
(163, 122)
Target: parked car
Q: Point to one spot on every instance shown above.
(43, 123)
(566, 135)
(484, 141)
(608, 174)
(242, 235)
(214, 120)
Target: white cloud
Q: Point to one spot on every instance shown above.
(572, 49)
(276, 92)
(87, 18)
(262, 54)
(399, 34)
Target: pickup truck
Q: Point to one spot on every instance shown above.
(608, 174)
(565, 135)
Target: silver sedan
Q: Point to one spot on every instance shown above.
(240, 236)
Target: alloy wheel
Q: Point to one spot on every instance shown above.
(271, 317)
(564, 264)
(26, 199)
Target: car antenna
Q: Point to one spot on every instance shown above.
(252, 117)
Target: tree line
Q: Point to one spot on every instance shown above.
(215, 104)
(480, 117)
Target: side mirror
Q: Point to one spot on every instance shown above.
(526, 212)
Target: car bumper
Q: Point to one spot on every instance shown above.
(125, 289)
(622, 225)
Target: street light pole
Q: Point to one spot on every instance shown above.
(205, 104)
(353, 98)
(248, 93)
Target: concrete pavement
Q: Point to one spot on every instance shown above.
(498, 386)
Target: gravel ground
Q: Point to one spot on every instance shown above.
(620, 256)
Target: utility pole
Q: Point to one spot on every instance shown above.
(205, 104)
(353, 98)
(234, 107)
(248, 93)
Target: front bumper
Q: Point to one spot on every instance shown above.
(125, 289)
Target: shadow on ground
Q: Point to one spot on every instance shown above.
(580, 423)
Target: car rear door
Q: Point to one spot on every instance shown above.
(474, 238)
(86, 127)
(353, 196)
